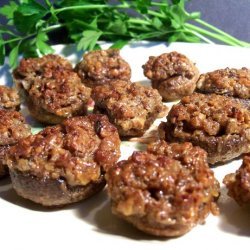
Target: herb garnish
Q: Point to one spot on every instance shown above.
(87, 22)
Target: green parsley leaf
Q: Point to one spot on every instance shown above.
(8, 10)
(28, 48)
(119, 44)
(118, 27)
(13, 57)
(157, 23)
(41, 44)
(143, 5)
(27, 15)
(85, 22)
(178, 15)
(89, 40)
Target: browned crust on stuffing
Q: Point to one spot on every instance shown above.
(52, 90)
(12, 128)
(216, 123)
(132, 108)
(172, 74)
(9, 98)
(77, 152)
(238, 183)
(164, 191)
(102, 66)
(29, 68)
(228, 81)
(69, 95)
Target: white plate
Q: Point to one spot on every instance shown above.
(90, 224)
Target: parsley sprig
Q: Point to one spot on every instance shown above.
(86, 22)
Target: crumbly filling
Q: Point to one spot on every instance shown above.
(9, 98)
(166, 185)
(102, 66)
(128, 105)
(238, 183)
(228, 81)
(78, 150)
(12, 127)
(212, 115)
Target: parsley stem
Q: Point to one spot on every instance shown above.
(210, 34)
(205, 39)
(221, 32)
(159, 4)
(92, 7)
(90, 21)
(158, 34)
(139, 21)
(48, 3)
(48, 29)
(154, 13)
